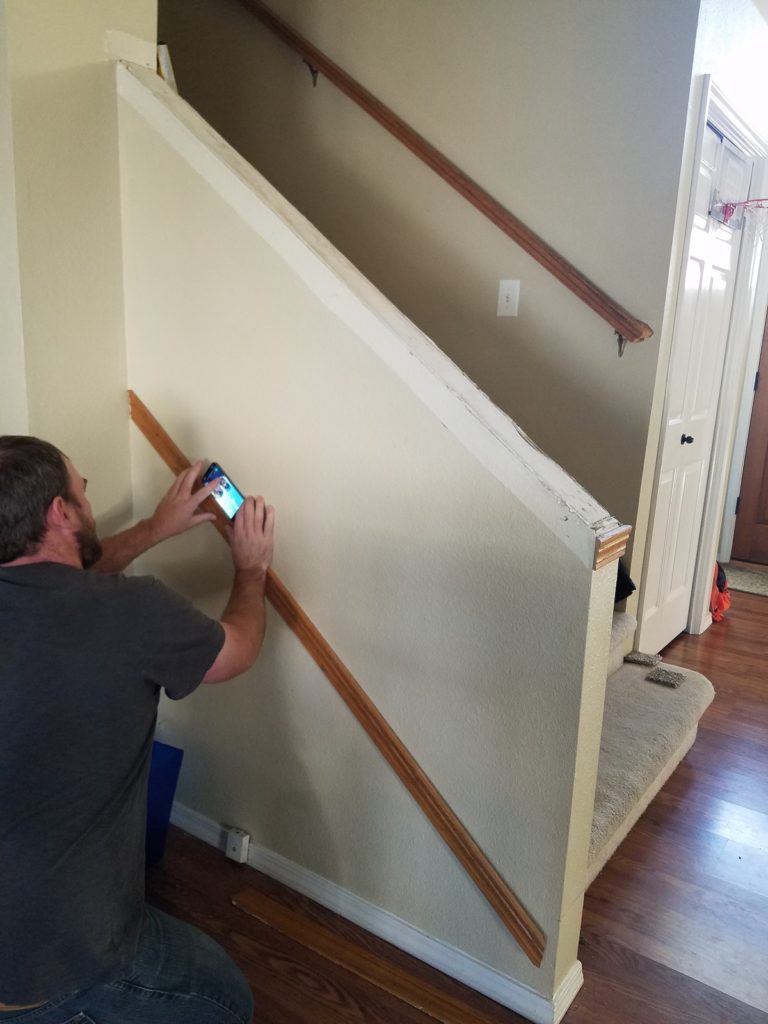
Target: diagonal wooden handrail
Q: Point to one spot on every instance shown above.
(628, 327)
(514, 916)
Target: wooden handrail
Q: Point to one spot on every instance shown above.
(627, 327)
(497, 892)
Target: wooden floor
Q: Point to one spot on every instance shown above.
(675, 928)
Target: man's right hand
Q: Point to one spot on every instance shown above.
(251, 536)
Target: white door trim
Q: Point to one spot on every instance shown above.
(747, 320)
(715, 108)
(701, 125)
(747, 394)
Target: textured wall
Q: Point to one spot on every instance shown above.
(571, 114)
(462, 617)
(13, 384)
(68, 216)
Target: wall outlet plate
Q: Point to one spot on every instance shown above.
(237, 845)
(509, 298)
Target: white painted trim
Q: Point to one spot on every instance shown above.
(747, 395)
(125, 47)
(745, 330)
(567, 991)
(165, 66)
(553, 497)
(730, 122)
(451, 961)
(642, 640)
(746, 319)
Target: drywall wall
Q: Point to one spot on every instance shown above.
(13, 384)
(474, 631)
(570, 114)
(63, 115)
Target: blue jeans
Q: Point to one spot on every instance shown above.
(179, 976)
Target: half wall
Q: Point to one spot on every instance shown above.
(448, 561)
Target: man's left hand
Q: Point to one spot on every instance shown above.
(178, 509)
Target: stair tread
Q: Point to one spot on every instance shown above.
(644, 725)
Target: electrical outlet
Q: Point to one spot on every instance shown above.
(509, 298)
(237, 845)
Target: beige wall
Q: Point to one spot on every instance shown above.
(464, 619)
(68, 217)
(13, 384)
(570, 114)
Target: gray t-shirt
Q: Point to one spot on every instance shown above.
(84, 656)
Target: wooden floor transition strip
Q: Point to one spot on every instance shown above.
(368, 966)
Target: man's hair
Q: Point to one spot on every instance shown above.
(32, 474)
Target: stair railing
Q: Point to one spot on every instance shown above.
(627, 327)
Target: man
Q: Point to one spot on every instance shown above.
(85, 652)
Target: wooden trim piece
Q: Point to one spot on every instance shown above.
(611, 546)
(627, 326)
(384, 974)
(514, 916)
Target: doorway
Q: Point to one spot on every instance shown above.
(713, 324)
(750, 539)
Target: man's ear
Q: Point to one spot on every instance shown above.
(59, 515)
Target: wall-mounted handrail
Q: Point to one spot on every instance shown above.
(497, 892)
(628, 327)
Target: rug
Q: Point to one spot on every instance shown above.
(747, 580)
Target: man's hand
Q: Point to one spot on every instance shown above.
(176, 512)
(178, 509)
(251, 536)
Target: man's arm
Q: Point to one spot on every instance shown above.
(177, 512)
(251, 539)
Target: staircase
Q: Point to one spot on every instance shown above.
(647, 731)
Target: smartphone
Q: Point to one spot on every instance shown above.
(226, 495)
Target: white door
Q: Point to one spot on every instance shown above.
(693, 389)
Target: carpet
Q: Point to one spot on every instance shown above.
(647, 730)
(747, 580)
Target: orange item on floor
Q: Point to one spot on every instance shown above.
(720, 600)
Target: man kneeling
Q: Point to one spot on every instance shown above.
(86, 652)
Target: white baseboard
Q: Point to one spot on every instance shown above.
(437, 954)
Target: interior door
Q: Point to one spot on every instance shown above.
(750, 539)
(693, 388)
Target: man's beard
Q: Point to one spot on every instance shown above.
(88, 544)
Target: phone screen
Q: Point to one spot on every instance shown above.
(226, 495)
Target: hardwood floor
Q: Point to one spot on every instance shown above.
(675, 927)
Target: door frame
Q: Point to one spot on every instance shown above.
(750, 304)
(746, 405)
(751, 284)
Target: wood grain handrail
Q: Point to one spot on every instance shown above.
(497, 892)
(628, 327)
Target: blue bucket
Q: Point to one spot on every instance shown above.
(163, 776)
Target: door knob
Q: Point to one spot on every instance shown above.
(686, 439)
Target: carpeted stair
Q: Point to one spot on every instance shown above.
(647, 730)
